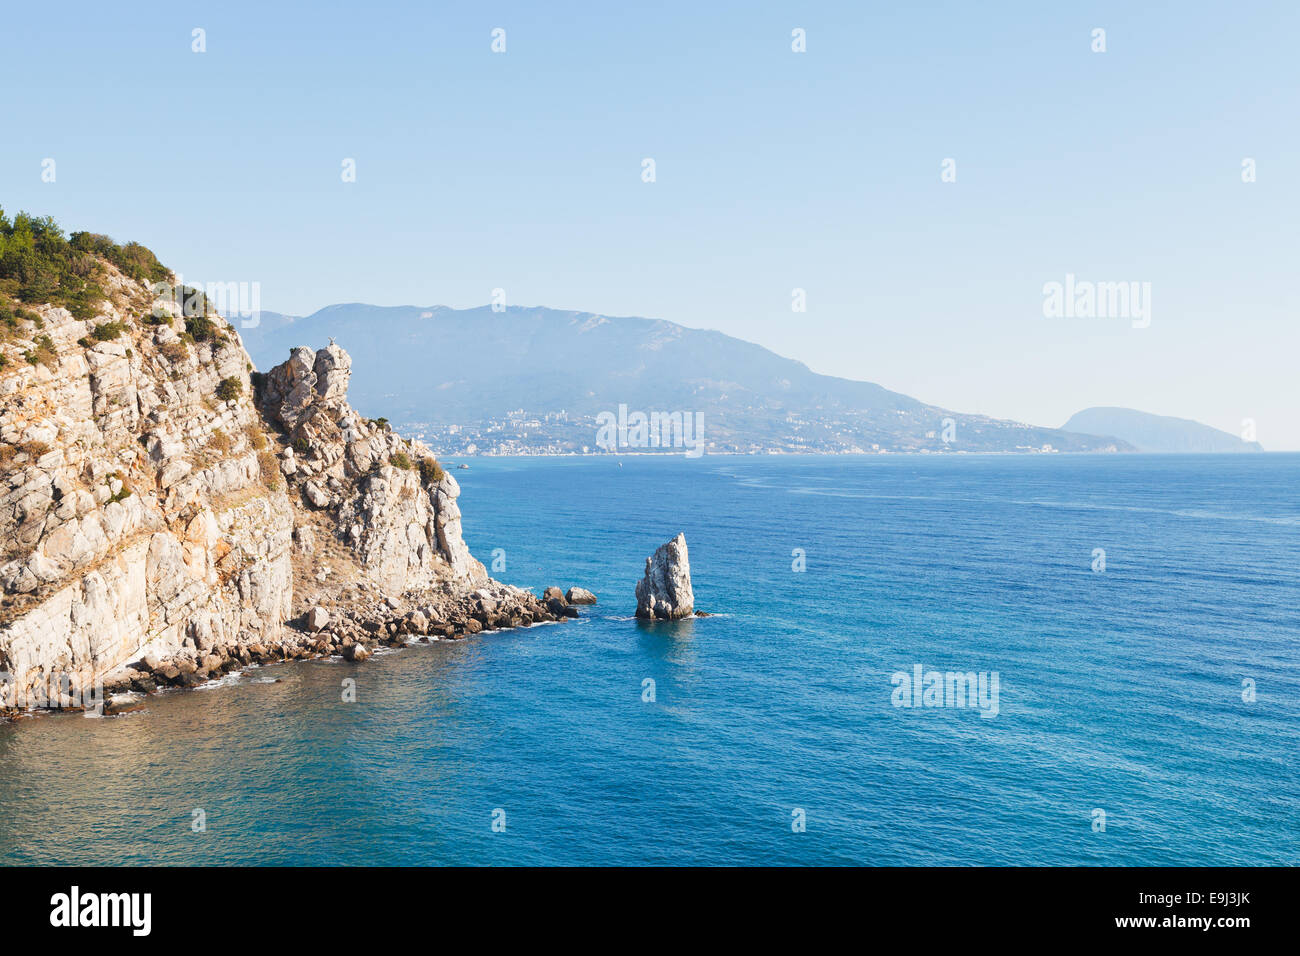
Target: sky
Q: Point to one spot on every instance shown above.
(774, 170)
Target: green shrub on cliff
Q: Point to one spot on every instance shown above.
(199, 328)
(430, 471)
(400, 460)
(107, 331)
(11, 316)
(83, 304)
(132, 260)
(39, 264)
(45, 353)
(229, 389)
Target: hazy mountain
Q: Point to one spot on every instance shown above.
(1159, 433)
(438, 366)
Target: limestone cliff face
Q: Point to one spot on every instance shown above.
(665, 591)
(145, 513)
(384, 496)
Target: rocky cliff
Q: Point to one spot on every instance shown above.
(665, 592)
(162, 520)
(387, 496)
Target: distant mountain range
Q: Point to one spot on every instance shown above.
(1157, 433)
(536, 380)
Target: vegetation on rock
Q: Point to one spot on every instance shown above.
(107, 331)
(229, 389)
(200, 328)
(11, 317)
(45, 353)
(270, 468)
(174, 352)
(39, 264)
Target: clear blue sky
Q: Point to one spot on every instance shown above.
(775, 170)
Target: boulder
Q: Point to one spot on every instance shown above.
(333, 368)
(167, 672)
(304, 539)
(317, 618)
(580, 596)
(316, 494)
(664, 593)
(122, 705)
(553, 593)
(290, 386)
(173, 471)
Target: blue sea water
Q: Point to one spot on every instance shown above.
(1119, 689)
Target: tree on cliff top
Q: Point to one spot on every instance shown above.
(39, 264)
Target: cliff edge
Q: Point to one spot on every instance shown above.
(167, 514)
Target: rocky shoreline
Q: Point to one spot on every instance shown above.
(353, 634)
(169, 515)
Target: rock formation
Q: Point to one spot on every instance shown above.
(665, 590)
(134, 515)
(165, 516)
(578, 595)
(386, 496)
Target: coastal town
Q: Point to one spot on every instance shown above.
(521, 433)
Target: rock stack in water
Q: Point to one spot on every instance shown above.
(665, 591)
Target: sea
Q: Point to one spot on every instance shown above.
(910, 661)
